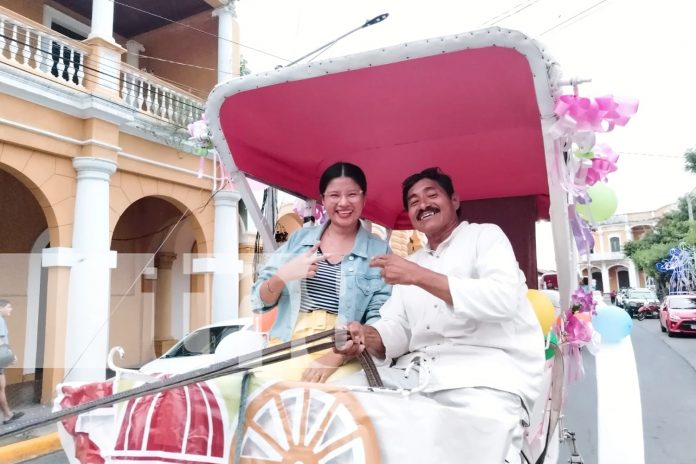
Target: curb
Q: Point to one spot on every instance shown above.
(29, 449)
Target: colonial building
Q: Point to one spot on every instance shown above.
(111, 234)
(610, 268)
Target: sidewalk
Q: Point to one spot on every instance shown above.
(34, 443)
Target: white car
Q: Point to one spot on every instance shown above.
(197, 349)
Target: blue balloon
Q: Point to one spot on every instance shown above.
(612, 323)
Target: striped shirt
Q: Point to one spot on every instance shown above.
(322, 290)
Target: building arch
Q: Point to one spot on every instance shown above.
(151, 285)
(27, 212)
(127, 188)
(50, 181)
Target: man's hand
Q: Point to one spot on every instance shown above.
(397, 270)
(321, 369)
(360, 338)
(302, 266)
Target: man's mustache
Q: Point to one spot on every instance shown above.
(429, 209)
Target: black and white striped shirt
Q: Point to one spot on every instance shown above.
(322, 290)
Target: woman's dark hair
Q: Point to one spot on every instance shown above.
(435, 174)
(342, 169)
(4, 303)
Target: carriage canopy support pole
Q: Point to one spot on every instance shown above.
(241, 184)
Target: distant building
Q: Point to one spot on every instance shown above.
(610, 268)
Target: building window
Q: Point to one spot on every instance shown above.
(615, 244)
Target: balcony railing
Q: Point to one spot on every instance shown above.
(608, 256)
(155, 97)
(31, 46)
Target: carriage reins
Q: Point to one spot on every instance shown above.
(242, 363)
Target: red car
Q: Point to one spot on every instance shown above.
(678, 314)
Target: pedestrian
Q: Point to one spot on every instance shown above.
(613, 296)
(6, 311)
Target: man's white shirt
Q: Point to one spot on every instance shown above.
(490, 337)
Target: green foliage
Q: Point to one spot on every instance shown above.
(673, 229)
(690, 160)
(244, 67)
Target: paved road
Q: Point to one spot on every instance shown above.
(667, 376)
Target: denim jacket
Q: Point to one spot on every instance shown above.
(362, 290)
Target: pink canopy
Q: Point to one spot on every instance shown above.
(473, 112)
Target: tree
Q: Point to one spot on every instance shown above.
(690, 160)
(674, 228)
(244, 68)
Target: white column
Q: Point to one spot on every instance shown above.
(87, 325)
(102, 20)
(632, 275)
(226, 250)
(134, 48)
(606, 287)
(225, 51)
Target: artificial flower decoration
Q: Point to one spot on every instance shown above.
(200, 136)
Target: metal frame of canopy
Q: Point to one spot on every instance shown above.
(235, 106)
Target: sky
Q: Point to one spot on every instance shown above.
(629, 48)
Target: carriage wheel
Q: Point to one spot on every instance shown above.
(298, 423)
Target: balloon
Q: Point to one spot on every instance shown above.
(602, 206)
(584, 316)
(612, 323)
(543, 308)
(549, 350)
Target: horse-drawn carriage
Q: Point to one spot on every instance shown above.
(480, 105)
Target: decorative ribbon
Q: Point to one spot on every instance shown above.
(576, 330)
(574, 368)
(603, 162)
(201, 166)
(319, 213)
(199, 132)
(582, 301)
(600, 114)
(581, 231)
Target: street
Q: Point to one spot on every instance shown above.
(667, 375)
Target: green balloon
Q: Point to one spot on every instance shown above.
(603, 204)
(549, 350)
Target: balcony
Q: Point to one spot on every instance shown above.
(56, 62)
(608, 256)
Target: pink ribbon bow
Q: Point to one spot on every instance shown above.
(603, 163)
(600, 114)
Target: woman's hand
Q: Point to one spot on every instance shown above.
(302, 266)
(321, 368)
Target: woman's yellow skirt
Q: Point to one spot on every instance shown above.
(308, 323)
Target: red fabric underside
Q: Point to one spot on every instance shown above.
(473, 113)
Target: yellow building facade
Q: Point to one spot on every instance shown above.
(109, 220)
(610, 268)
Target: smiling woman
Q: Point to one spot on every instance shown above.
(321, 276)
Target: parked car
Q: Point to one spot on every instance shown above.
(678, 314)
(637, 297)
(197, 349)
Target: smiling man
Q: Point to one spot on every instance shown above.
(459, 306)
